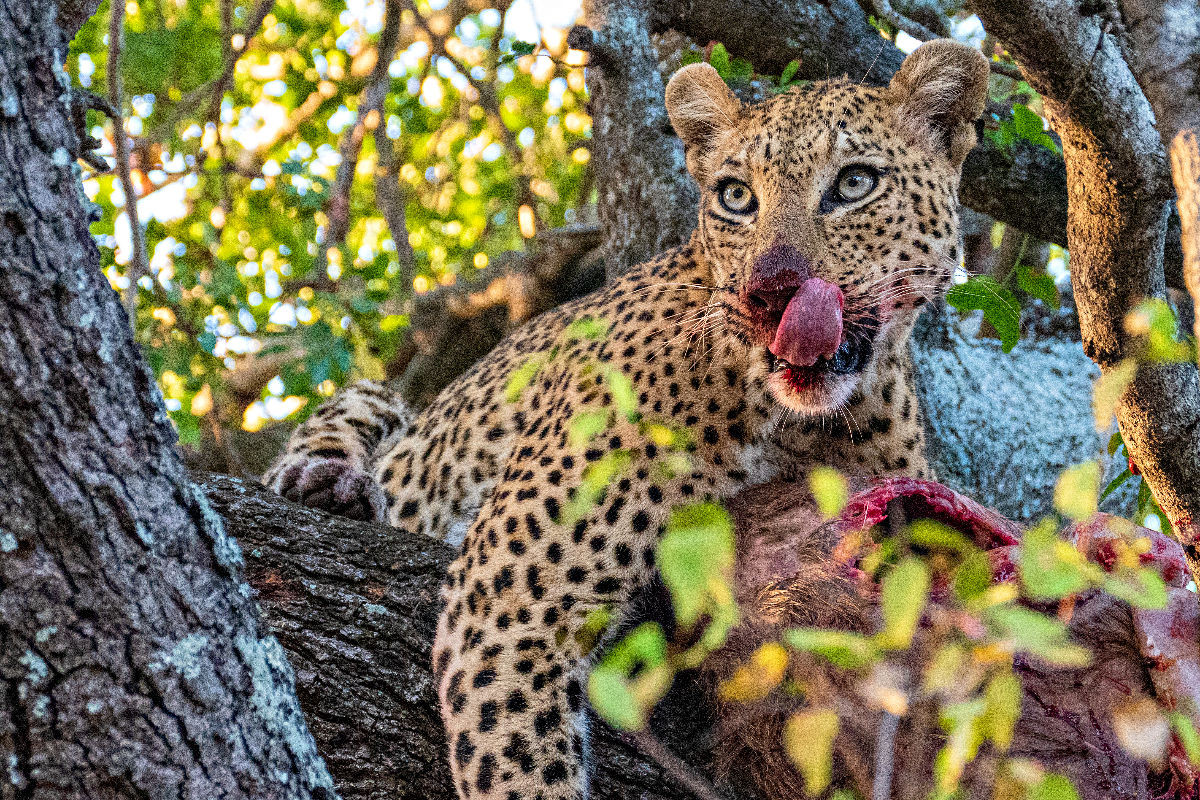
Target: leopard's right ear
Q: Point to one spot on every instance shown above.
(702, 110)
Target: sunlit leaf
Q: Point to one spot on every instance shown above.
(755, 679)
(902, 599)
(1075, 494)
(1109, 389)
(1003, 708)
(1186, 732)
(808, 738)
(522, 376)
(585, 425)
(829, 490)
(633, 676)
(623, 394)
(1050, 567)
(1037, 634)
(695, 556)
(999, 306)
(841, 648)
(1053, 787)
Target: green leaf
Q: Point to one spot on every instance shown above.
(631, 678)
(829, 490)
(1109, 389)
(840, 648)
(623, 394)
(902, 598)
(1003, 708)
(1038, 285)
(1028, 126)
(1115, 443)
(973, 577)
(1053, 787)
(596, 479)
(585, 425)
(808, 738)
(1075, 493)
(586, 328)
(1115, 483)
(522, 376)
(936, 536)
(695, 556)
(789, 72)
(719, 58)
(1142, 587)
(1037, 634)
(1186, 731)
(999, 306)
(1050, 567)
(1155, 320)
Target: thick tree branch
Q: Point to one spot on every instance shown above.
(1163, 50)
(355, 606)
(1117, 188)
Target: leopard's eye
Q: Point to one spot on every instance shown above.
(856, 182)
(736, 197)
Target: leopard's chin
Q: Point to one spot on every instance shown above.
(823, 387)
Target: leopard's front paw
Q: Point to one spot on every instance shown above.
(333, 485)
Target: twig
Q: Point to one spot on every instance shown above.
(883, 9)
(676, 767)
(488, 101)
(885, 756)
(370, 105)
(138, 265)
(216, 87)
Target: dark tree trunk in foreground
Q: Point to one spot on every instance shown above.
(355, 606)
(131, 658)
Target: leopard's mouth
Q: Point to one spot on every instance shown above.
(826, 384)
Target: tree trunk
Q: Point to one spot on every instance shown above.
(646, 200)
(131, 661)
(355, 606)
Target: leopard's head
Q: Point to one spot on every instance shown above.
(829, 213)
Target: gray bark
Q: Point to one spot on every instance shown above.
(131, 658)
(1117, 185)
(646, 201)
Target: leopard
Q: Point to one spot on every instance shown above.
(775, 336)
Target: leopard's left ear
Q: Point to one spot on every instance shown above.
(938, 94)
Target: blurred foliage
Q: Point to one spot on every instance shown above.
(253, 305)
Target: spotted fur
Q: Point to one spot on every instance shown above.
(691, 330)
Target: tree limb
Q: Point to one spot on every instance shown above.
(132, 662)
(1117, 189)
(355, 607)
(1163, 51)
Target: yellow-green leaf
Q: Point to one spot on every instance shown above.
(1076, 492)
(808, 738)
(903, 596)
(829, 490)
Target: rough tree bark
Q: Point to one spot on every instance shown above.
(646, 201)
(355, 606)
(131, 658)
(1164, 54)
(1117, 186)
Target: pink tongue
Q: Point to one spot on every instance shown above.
(812, 324)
